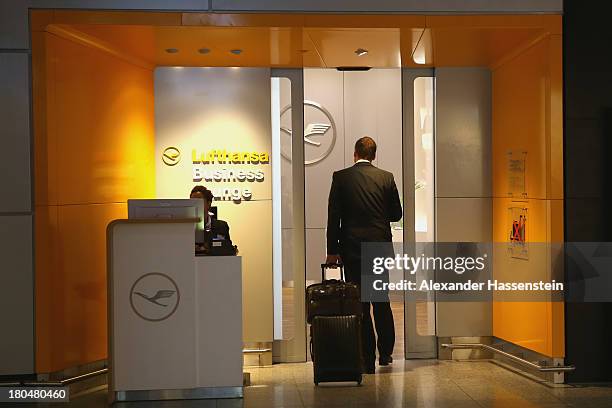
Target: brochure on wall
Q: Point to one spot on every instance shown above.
(517, 182)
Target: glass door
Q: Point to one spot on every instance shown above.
(418, 92)
(289, 278)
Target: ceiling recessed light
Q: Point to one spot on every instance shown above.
(172, 50)
(361, 52)
(236, 51)
(204, 50)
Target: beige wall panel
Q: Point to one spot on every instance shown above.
(15, 174)
(14, 26)
(215, 109)
(463, 182)
(464, 319)
(463, 132)
(17, 304)
(251, 229)
(463, 219)
(211, 109)
(467, 220)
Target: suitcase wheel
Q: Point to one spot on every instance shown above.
(359, 379)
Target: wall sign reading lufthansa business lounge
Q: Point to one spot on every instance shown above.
(223, 166)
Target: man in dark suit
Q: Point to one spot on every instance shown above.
(363, 200)
(213, 228)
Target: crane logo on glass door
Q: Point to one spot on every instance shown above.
(319, 135)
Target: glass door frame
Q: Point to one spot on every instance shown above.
(415, 345)
(294, 350)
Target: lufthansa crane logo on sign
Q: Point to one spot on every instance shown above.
(154, 297)
(171, 156)
(319, 136)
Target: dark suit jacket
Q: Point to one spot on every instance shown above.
(220, 227)
(363, 200)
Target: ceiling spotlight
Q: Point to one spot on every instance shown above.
(172, 50)
(361, 52)
(236, 51)
(204, 50)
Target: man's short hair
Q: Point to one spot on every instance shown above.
(365, 148)
(206, 193)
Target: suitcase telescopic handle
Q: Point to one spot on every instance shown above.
(325, 266)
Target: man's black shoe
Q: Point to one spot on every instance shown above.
(385, 360)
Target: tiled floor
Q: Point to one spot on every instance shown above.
(424, 383)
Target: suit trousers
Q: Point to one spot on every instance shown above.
(383, 337)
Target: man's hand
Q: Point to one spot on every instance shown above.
(333, 260)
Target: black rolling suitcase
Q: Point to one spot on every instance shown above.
(334, 311)
(335, 348)
(332, 297)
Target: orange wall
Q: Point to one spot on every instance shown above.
(527, 115)
(94, 147)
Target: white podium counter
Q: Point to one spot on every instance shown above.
(174, 319)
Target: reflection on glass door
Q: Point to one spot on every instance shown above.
(418, 93)
(424, 212)
(284, 283)
(288, 216)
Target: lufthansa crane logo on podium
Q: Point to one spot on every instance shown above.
(319, 136)
(154, 296)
